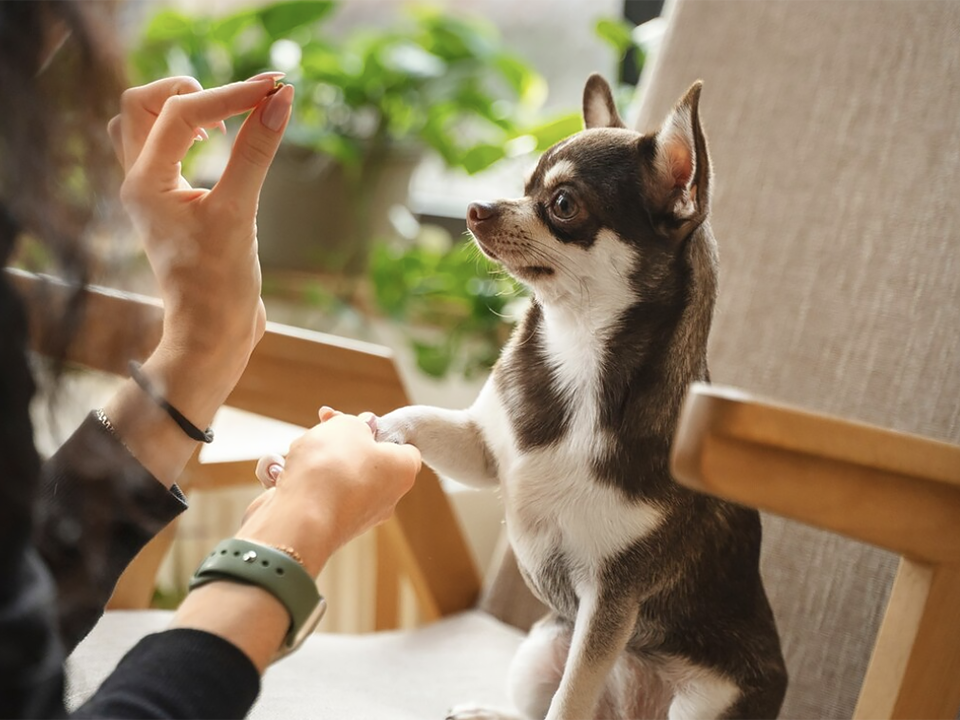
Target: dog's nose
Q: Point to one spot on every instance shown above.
(478, 212)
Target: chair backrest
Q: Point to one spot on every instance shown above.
(835, 141)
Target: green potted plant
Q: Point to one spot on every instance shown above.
(455, 307)
(368, 104)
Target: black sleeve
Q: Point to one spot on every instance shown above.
(178, 673)
(97, 506)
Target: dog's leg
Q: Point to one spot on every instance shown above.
(449, 440)
(537, 668)
(600, 636)
(534, 675)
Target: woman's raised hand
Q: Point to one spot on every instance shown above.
(201, 244)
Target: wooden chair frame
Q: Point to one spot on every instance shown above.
(897, 491)
(290, 374)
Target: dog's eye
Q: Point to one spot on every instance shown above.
(564, 206)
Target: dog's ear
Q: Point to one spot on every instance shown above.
(681, 166)
(599, 110)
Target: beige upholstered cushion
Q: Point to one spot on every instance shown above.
(834, 134)
(412, 675)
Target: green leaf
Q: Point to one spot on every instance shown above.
(168, 25)
(433, 359)
(617, 33)
(225, 30)
(480, 157)
(553, 131)
(410, 59)
(280, 19)
(527, 83)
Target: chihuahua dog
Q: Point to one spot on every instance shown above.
(657, 606)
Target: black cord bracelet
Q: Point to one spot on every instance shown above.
(192, 431)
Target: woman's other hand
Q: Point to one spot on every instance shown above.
(335, 483)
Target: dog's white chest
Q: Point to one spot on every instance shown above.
(554, 503)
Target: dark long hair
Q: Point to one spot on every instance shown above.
(57, 171)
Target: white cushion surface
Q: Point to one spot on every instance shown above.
(398, 675)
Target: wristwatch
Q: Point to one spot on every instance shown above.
(251, 563)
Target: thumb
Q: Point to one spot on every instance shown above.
(257, 503)
(412, 455)
(254, 149)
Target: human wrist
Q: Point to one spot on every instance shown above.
(227, 608)
(218, 355)
(308, 534)
(196, 384)
(196, 379)
(202, 326)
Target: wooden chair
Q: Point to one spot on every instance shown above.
(290, 374)
(897, 491)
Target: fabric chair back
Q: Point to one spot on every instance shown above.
(835, 141)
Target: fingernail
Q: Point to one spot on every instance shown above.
(271, 74)
(276, 109)
(370, 419)
(274, 471)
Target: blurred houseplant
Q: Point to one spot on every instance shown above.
(368, 104)
(455, 307)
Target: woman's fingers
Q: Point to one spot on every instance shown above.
(410, 454)
(254, 149)
(327, 412)
(115, 132)
(268, 470)
(157, 169)
(139, 109)
(371, 420)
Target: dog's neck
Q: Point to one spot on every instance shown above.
(602, 339)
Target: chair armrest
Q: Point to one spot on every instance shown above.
(894, 490)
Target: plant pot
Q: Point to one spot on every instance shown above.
(315, 216)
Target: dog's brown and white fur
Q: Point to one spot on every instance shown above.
(657, 604)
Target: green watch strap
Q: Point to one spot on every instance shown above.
(271, 569)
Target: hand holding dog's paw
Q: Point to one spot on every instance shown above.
(397, 426)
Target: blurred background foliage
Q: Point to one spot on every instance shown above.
(456, 306)
(432, 81)
(433, 78)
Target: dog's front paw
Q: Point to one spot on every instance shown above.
(469, 711)
(398, 426)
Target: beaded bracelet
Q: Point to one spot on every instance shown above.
(289, 551)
